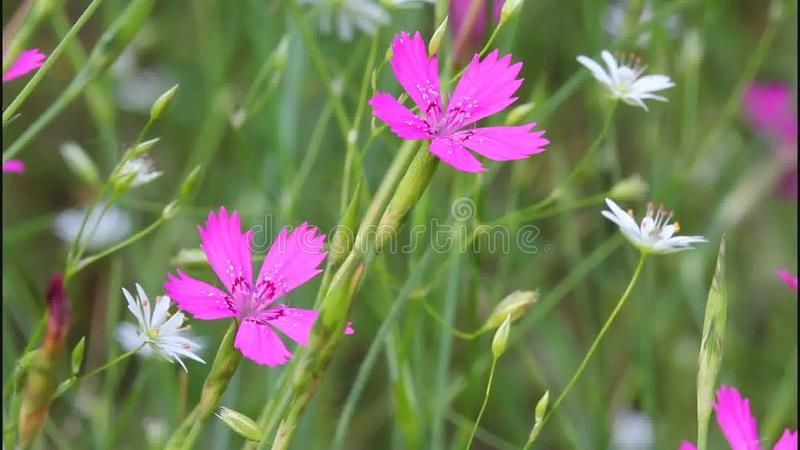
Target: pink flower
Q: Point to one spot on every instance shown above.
(485, 88)
(293, 259)
(788, 278)
(13, 165)
(474, 31)
(27, 61)
(769, 109)
(738, 424)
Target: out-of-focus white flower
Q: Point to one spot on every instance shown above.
(156, 332)
(625, 81)
(155, 431)
(616, 17)
(632, 430)
(98, 233)
(655, 234)
(136, 172)
(347, 15)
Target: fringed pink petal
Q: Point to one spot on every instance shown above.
(27, 61)
(734, 418)
(685, 445)
(504, 143)
(258, 342)
(485, 88)
(788, 441)
(449, 151)
(296, 323)
(228, 250)
(200, 299)
(417, 73)
(293, 259)
(400, 119)
(13, 166)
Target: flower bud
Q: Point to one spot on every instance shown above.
(190, 182)
(162, 103)
(500, 340)
(58, 313)
(436, 40)
(541, 407)
(76, 358)
(143, 147)
(79, 162)
(711, 344)
(631, 188)
(518, 113)
(134, 172)
(510, 9)
(281, 54)
(513, 305)
(190, 257)
(239, 423)
(170, 210)
(538, 415)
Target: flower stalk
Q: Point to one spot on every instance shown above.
(594, 346)
(222, 369)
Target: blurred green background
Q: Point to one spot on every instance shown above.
(284, 165)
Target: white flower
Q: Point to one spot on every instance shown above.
(625, 80)
(99, 232)
(365, 15)
(137, 171)
(157, 332)
(655, 233)
(632, 430)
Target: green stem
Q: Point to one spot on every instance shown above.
(222, 369)
(82, 264)
(589, 153)
(51, 59)
(439, 319)
(597, 341)
(483, 406)
(77, 380)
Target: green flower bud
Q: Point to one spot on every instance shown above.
(510, 9)
(77, 356)
(79, 162)
(190, 182)
(513, 305)
(170, 210)
(541, 407)
(436, 40)
(518, 113)
(500, 340)
(711, 346)
(190, 257)
(239, 423)
(143, 148)
(631, 188)
(162, 103)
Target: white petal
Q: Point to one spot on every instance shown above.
(611, 63)
(171, 325)
(626, 221)
(597, 71)
(160, 311)
(610, 216)
(129, 337)
(135, 308)
(146, 308)
(651, 83)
